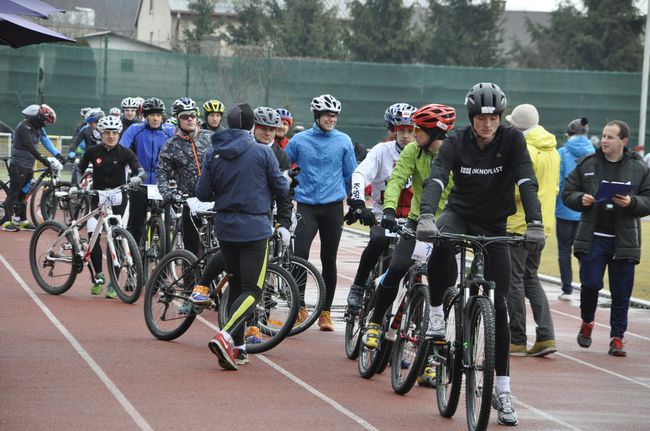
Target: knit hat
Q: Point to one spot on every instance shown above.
(578, 127)
(240, 116)
(524, 117)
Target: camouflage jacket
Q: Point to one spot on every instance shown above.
(178, 162)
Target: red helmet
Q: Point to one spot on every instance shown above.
(433, 116)
(47, 114)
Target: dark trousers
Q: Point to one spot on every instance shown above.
(621, 283)
(138, 204)
(327, 220)
(525, 284)
(376, 246)
(189, 225)
(14, 205)
(497, 269)
(565, 231)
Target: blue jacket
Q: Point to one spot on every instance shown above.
(326, 160)
(577, 146)
(242, 177)
(146, 144)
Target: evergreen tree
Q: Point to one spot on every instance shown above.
(203, 24)
(254, 24)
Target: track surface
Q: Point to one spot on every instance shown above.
(78, 362)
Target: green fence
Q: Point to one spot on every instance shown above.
(73, 77)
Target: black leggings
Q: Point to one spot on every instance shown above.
(376, 246)
(138, 203)
(497, 269)
(191, 240)
(327, 220)
(14, 204)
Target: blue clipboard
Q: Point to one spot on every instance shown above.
(609, 189)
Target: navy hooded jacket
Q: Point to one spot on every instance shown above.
(242, 177)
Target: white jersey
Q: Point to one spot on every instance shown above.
(375, 170)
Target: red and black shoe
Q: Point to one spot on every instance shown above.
(224, 351)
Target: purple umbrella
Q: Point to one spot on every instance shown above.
(28, 7)
(16, 32)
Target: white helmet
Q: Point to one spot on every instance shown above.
(129, 103)
(266, 117)
(325, 102)
(114, 112)
(109, 123)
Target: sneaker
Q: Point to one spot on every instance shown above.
(584, 336)
(355, 299)
(98, 285)
(26, 225)
(241, 357)
(252, 335)
(436, 329)
(224, 351)
(9, 226)
(517, 349)
(200, 294)
(325, 321)
(110, 292)
(428, 377)
(564, 297)
(371, 337)
(616, 347)
(303, 314)
(505, 408)
(542, 348)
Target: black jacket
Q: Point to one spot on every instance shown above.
(586, 178)
(24, 148)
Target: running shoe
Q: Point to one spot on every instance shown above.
(505, 408)
(371, 337)
(518, 349)
(110, 292)
(325, 321)
(224, 351)
(303, 314)
(428, 377)
(564, 297)
(355, 299)
(26, 225)
(584, 335)
(542, 348)
(98, 284)
(241, 357)
(10, 226)
(252, 335)
(200, 295)
(616, 347)
(436, 329)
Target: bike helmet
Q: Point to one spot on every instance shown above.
(213, 106)
(153, 106)
(114, 112)
(485, 98)
(84, 111)
(435, 119)
(42, 113)
(325, 103)
(266, 117)
(184, 104)
(94, 115)
(400, 114)
(109, 123)
(129, 103)
(285, 115)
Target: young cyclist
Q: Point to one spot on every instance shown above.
(286, 120)
(213, 112)
(242, 223)
(487, 160)
(129, 107)
(110, 161)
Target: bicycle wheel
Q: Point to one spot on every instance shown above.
(370, 360)
(449, 356)
(125, 268)
(4, 191)
(167, 313)
(51, 259)
(311, 288)
(410, 350)
(153, 244)
(354, 324)
(480, 372)
(274, 314)
(38, 210)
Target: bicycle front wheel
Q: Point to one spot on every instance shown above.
(311, 288)
(480, 372)
(449, 355)
(4, 192)
(410, 347)
(125, 268)
(153, 244)
(51, 260)
(167, 311)
(355, 324)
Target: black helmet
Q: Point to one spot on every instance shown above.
(153, 106)
(485, 98)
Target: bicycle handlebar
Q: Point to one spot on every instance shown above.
(481, 239)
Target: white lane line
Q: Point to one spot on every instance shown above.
(604, 370)
(119, 396)
(600, 324)
(546, 415)
(365, 424)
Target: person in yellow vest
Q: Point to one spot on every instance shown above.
(524, 282)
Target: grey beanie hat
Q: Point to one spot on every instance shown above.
(241, 116)
(578, 127)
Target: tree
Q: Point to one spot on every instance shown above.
(254, 24)
(381, 31)
(203, 24)
(463, 33)
(606, 35)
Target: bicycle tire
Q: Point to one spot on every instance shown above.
(312, 295)
(40, 245)
(370, 360)
(355, 324)
(449, 375)
(47, 205)
(384, 361)
(166, 315)
(4, 192)
(479, 381)
(128, 288)
(153, 244)
(81, 209)
(410, 349)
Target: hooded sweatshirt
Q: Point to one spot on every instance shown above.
(242, 177)
(576, 147)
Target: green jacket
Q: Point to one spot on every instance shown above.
(413, 163)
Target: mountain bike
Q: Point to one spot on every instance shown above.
(153, 244)
(469, 345)
(57, 253)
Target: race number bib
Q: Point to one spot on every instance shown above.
(152, 193)
(422, 251)
(113, 196)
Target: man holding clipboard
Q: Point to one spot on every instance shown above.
(611, 188)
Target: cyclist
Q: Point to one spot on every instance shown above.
(376, 170)
(432, 122)
(129, 107)
(242, 223)
(115, 111)
(88, 136)
(82, 124)
(110, 161)
(389, 115)
(286, 120)
(145, 140)
(180, 159)
(24, 152)
(213, 113)
(487, 160)
(326, 158)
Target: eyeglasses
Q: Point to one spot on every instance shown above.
(186, 117)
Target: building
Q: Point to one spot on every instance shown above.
(112, 40)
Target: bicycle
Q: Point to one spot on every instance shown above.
(469, 344)
(153, 243)
(54, 246)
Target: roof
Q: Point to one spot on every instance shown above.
(100, 34)
(117, 15)
(221, 7)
